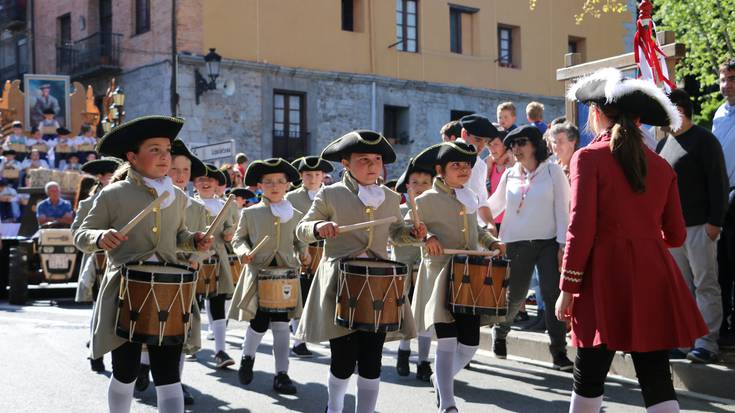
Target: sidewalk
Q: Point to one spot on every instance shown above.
(707, 379)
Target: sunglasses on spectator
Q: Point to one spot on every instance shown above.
(519, 142)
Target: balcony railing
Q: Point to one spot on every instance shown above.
(92, 55)
(12, 14)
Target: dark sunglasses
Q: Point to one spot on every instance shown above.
(519, 142)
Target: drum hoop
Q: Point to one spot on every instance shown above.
(346, 265)
(145, 277)
(480, 260)
(160, 264)
(211, 261)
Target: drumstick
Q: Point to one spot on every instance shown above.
(260, 245)
(492, 253)
(220, 216)
(414, 208)
(142, 214)
(367, 224)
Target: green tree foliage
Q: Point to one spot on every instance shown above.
(706, 27)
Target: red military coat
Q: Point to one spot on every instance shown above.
(629, 293)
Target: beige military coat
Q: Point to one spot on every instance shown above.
(300, 200)
(256, 222)
(445, 218)
(339, 203)
(409, 254)
(87, 268)
(161, 234)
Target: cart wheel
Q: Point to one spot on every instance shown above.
(17, 277)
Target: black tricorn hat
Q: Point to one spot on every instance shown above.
(257, 169)
(411, 168)
(101, 166)
(636, 97)
(530, 132)
(62, 131)
(214, 173)
(359, 141)
(128, 136)
(312, 163)
(479, 126)
(49, 111)
(16, 124)
(445, 152)
(9, 152)
(242, 193)
(179, 148)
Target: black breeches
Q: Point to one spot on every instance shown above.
(360, 348)
(262, 320)
(466, 328)
(164, 363)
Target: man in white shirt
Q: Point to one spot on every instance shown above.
(477, 130)
(723, 127)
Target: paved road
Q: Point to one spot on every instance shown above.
(43, 365)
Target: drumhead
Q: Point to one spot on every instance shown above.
(163, 273)
(159, 268)
(372, 266)
(277, 273)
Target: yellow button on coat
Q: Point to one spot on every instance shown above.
(154, 229)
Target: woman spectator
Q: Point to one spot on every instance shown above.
(535, 196)
(627, 291)
(564, 141)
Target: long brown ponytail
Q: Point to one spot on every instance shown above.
(626, 145)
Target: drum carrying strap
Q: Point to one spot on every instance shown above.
(162, 313)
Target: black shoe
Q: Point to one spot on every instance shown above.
(245, 373)
(283, 384)
(143, 380)
(423, 371)
(188, 398)
(468, 366)
(562, 362)
(500, 349)
(222, 360)
(521, 317)
(402, 363)
(97, 365)
(301, 351)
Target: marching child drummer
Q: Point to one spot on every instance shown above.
(102, 170)
(418, 179)
(185, 167)
(311, 170)
(206, 186)
(449, 211)
(145, 143)
(355, 199)
(274, 217)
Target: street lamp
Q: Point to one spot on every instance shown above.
(118, 97)
(212, 60)
(106, 125)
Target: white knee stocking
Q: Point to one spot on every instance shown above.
(336, 389)
(170, 398)
(367, 394)
(280, 345)
(119, 396)
(444, 375)
(251, 342)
